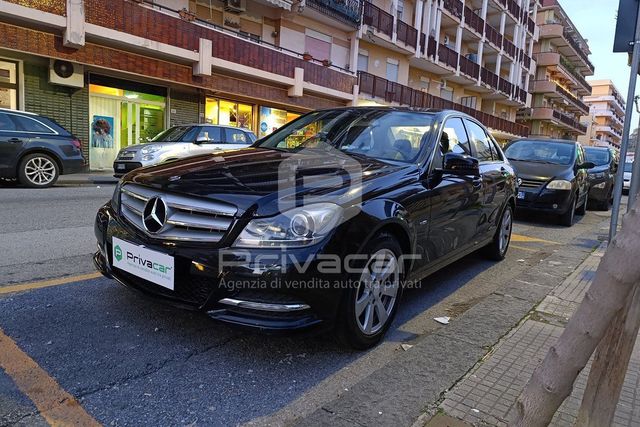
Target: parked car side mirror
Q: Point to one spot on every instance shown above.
(201, 139)
(587, 165)
(460, 164)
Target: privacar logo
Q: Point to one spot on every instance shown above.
(118, 253)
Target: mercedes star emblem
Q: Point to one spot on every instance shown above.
(154, 216)
(519, 182)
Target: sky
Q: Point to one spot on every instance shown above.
(596, 21)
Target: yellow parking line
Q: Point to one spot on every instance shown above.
(46, 283)
(522, 238)
(55, 405)
(522, 248)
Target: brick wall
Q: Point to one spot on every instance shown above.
(59, 7)
(186, 106)
(66, 105)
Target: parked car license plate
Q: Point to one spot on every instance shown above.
(147, 264)
(520, 195)
(120, 165)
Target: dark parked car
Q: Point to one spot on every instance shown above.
(601, 177)
(253, 236)
(36, 150)
(552, 176)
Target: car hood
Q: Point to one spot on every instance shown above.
(541, 171)
(257, 179)
(138, 147)
(599, 169)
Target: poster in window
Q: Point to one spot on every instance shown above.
(102, 132)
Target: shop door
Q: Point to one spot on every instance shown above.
(105, 117)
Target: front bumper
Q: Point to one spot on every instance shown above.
(544, 200)
(260, 289)
(600, 194)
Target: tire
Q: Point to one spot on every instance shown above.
(582, 210)
(566, 218)
(359, 323)
(38, 171)
(497, 249)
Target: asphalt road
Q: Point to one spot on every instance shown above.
(129, 361)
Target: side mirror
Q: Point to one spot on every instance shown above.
(460, 165)
(201, 140)
(587, 165)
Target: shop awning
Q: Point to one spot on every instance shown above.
(285, 4)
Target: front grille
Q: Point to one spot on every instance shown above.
(188, 218)
(531, 183)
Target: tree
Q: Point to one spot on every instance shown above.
(601, 311)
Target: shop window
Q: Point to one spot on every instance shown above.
(273, 118)
(229, 113)
(8, 84)
(318, 45)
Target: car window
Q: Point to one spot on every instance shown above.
(598, 156)
(495, 150)
(480, 146)
(211, 134)
(541, 151)
(177, 134)
(28, 124)
(6, 124)
(454, 133)
(236, 136)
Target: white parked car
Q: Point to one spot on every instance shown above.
(182, 141)
(628, 167)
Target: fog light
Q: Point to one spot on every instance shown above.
(555, 206)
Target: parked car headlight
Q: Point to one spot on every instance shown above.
(148, 157)
(559, 184)
(297, 227)
(150, 149)
(601, 185)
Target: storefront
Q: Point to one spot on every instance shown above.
(122, 114)
(273, 118)
(8, 84)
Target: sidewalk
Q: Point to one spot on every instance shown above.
(487, 394)
(94, 178)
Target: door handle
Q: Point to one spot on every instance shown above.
(15, 140)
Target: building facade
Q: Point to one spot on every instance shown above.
(471, 55)
(562, 62)
(606, 115)
(141, 65)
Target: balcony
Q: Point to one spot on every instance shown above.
(549, 114)
(346, 11)
(454, 7)
(428, 44)
(555, 60)
(469, 67)
(377, 18)
(608, 130)
(504, 86)
(526, 60)
(407, 34)
(552, 89)
(394, 92)
(569, 121)
(531, 26)
(473, 21)
(489, 78)
(448, 56)
(565, 42)
(493, 35)
(509, 47)
(514, 9)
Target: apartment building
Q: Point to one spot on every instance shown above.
(471, 55)
(562, 62)
(143, 65)
(606, 115)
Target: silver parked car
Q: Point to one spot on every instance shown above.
(181, 141)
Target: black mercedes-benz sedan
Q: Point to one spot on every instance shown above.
(322, 223)
(552, 177)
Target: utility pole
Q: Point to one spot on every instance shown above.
(617, 193)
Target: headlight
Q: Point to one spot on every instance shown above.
(601, 185)
(150, 149)
(559, 184)
(297, 227)
(115, 199)
(148, 157)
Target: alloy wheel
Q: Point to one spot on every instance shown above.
(40, 171)
(505, 231)
(377, 291)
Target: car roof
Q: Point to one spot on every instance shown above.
(212, 125)
(9, 110)
(591, 147)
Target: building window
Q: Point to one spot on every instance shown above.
(363, 62)
(317, 44)
(392, 70)
(228, 113)
(8, 84)
(400, 9)
(469, 101)
(446, 93)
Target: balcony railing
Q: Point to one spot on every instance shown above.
(577, 48)
(526, 60)
(493, 35)
(509, 47)
(377, 18)
(521, 94)
(513, 7)
(504, 86)
(469, 67)
(454, 6)
(473, 21)
(407, 34)
(394, 92)
(489, 78)
(531, 25)
(571, 69)
(572, 98)
(347, 11)
(448, 56)
(569, 121)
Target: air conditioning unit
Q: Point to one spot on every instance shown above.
(235, 6)
(66, 73)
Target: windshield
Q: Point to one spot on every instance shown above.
(176, 134)
(380, 134)
(628, 167)
(556, 153)
(599, 157)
